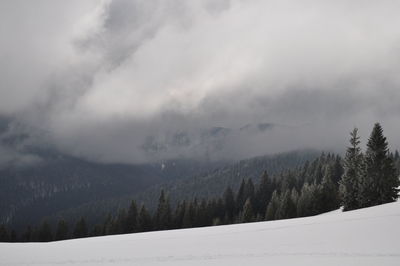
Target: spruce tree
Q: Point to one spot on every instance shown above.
(229, 205)
(187, 221)
(272, 206)
(81, 229)
(247, 212)
(353, 173)
(163, 214)
(132, 217)
(380, 182)
(4, 234)
(329, 195)
(241, 196)
(27, 235)
(263, 194)
(62, 230)
(145, 222)
(286, 208)
(45, 232)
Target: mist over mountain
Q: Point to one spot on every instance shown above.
(126, 81)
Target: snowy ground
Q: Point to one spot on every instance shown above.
(364, 237)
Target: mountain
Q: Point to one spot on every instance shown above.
(38, 181)
(356, 238)
(200, 184)
(27, 194)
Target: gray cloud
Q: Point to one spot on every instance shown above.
(134, 81)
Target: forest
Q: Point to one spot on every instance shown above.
(360, 179)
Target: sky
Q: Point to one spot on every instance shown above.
(134, 81)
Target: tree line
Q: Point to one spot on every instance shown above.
(359, 180)
(370, 178)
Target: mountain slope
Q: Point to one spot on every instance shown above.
(363, 237)
(200, 184)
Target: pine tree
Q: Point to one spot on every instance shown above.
(4, 234)
(179, 215)
(188, 216)
(62, 230)
(27, 235)
(144, 220)
(81, 229)
(229, 205)
(380, 182)
(309, 202)
(163, 215)
(119, 225)
(263, 194)
(286, 208)
(247, 212)
(131, 219)
(241, 196)
(353, 175)
(329, 196)
(272, 206)
(45, 233)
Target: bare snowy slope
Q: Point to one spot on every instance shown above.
(363, 237)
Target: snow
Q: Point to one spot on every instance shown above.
(363, 237)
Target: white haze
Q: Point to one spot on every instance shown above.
(97, 78)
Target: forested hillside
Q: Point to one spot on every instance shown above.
(205, 184)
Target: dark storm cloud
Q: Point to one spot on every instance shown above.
(134, 81)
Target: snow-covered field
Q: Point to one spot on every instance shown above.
(363, 237)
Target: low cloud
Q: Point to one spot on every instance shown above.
(137, 81)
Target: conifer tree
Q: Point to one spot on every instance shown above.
(247, 212)
(263, 194)
(272, 206)
(286, 208)
(81, 229)
(45, 233)
(144, 220)
(27, 235)
(188, 216)
(120, 223)
(353, 173)
(163, 215)
(241, 196)
(4, 234)
(179, 215)
(229, 205)
(329, 195)
(62, 230)
(380, 182)
(132, 217)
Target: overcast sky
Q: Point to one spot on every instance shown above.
(102, 79)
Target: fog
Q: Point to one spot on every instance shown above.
(134, 81)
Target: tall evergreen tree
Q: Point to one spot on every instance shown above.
(163, 214)
(4, 234)
(286, 208)
(353, 173)
(229, 205)
(145, 222)
(272, 206)
(45, 232)
(188, 217)
(247, 212)
(81, 229)
(263, 194)
(62, 230)
(241, 196)
(329, 195)
(132, 218)
(27, 235)
(380, 182)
